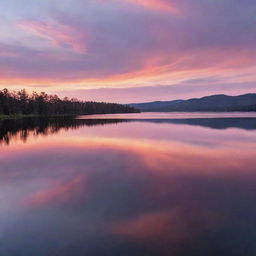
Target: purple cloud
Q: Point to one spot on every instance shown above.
(134, 43)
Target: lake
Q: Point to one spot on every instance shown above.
(133, 184)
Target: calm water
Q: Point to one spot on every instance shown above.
(146, 184)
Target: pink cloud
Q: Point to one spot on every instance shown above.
(160, 5)
(145, 226)
(62, 192)
(168, 227)
(59, 34)
(131, 48)
(5, 52)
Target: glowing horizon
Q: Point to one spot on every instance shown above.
(129, 51)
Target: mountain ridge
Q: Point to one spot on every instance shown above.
(214, 103)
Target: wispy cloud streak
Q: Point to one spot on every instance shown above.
(130, 43)
(59, 34)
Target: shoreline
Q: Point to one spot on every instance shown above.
(14, 117)
(21, 116)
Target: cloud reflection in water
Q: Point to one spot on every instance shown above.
(133, 188)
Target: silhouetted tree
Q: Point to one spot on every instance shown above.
(13, 103)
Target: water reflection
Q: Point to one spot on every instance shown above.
(23, 128)
(133, 188)
(214, 123)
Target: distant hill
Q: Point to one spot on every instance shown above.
(214, 103)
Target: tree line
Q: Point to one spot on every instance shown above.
(21, 103)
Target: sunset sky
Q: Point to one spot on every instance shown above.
(128, 50)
